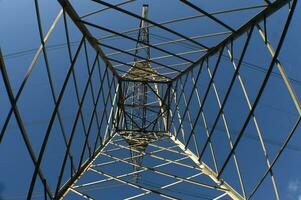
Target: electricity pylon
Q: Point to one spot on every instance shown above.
(138, 100)
(146, 128)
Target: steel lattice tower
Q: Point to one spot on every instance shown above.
(170, 109)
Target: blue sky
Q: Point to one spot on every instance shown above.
(276, 112)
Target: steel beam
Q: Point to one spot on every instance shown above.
(208, 171)
(269, 10)
(67, 6)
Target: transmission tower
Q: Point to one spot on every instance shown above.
(187, 105)
(140, 100)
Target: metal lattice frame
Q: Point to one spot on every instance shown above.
(183, 93)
